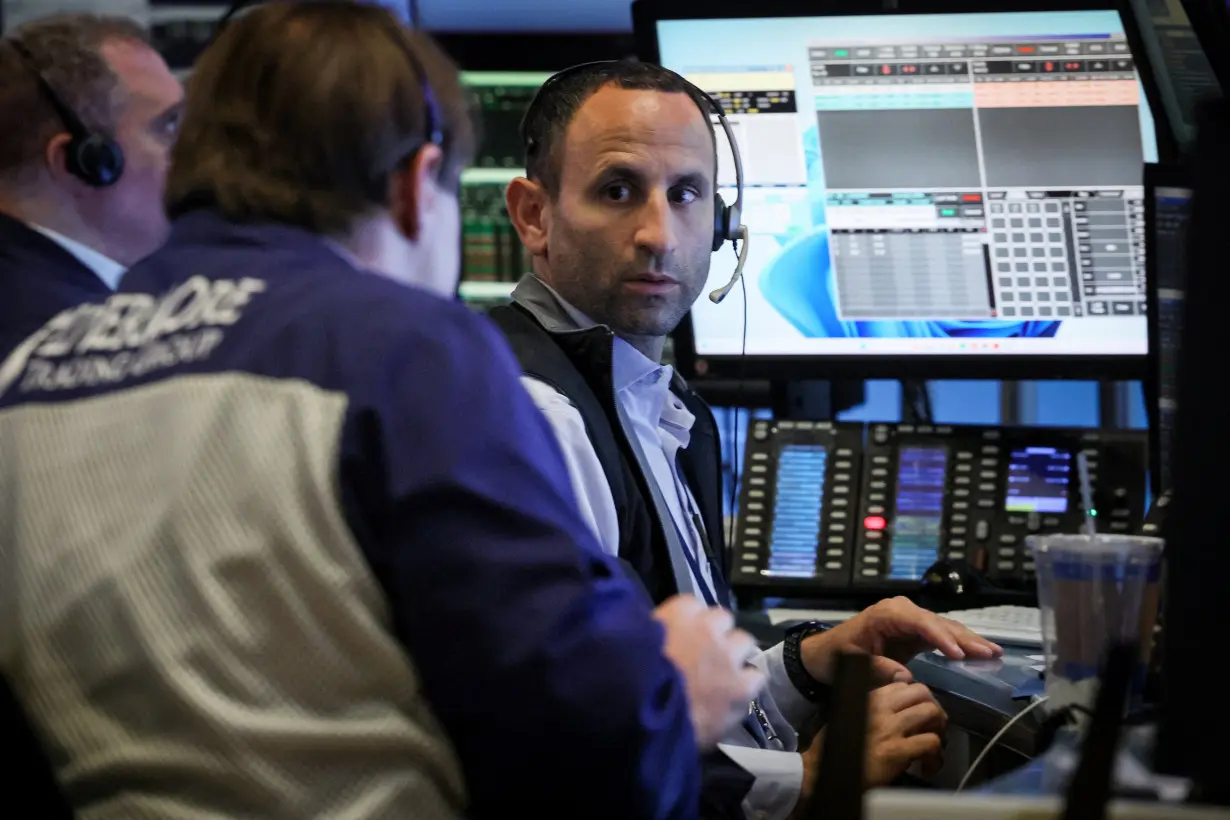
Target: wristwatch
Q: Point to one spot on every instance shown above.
(810, 688)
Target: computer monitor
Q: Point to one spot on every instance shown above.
(1179, 74)
(493, 258)
(1168, 195)
(939, 195)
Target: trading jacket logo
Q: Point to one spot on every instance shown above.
(129, 335)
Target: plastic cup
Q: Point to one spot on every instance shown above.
(1094, 591)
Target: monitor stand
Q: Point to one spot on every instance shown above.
(815, 400)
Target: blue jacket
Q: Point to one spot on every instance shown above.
(333, 547)
(38, 279)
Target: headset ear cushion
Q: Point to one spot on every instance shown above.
(721, 222)
(98, 160)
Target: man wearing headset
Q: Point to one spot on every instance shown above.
(620, 213)
(89, 112)
(283, 537)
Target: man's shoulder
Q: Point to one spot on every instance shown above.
(335, 332)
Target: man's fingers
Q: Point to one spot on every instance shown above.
(936, 632)
(678, 606)
(719, 620)
(971, 643)
(741, 645)
(897, 697)
(915, 747)
(955, 640)
(922, 718)
(886, 670)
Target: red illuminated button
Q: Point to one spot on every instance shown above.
(874, 522)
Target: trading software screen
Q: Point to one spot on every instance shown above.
(1171, 208)
(929, 184)
(493, 258)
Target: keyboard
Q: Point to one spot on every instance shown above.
(1016, 625)
(1019, 625)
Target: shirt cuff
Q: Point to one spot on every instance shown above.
(789, 700)
(779, 780)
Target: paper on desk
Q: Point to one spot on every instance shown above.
(836, 616)
(1035, 657)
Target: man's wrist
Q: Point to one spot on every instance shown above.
(808, 685)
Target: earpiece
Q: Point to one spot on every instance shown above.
(96, 160)
(721, 222)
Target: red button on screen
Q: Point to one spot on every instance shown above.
(874, 522)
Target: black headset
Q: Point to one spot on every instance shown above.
(93, 157)
(727, 219)
(433, 131)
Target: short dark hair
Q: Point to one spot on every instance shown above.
(67, 49)
(299, 112)
(557, 105)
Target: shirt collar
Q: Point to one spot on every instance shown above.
(347, 255)
(630, 366)
(104, 267)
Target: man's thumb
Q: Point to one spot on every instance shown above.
(886, 670)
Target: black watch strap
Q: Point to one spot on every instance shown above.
(792, 653)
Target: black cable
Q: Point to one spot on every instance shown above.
(916, 396)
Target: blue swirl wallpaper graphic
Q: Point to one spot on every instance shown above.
(800, 284)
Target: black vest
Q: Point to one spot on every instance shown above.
(579, 365)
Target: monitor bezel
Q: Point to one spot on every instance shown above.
(645, 16)
(1157, 175)
(1210, 21)
(1169, 145)
(533, 51)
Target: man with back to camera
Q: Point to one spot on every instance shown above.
(281, 534)
(75, 212)
(617, 211)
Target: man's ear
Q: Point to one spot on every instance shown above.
(55, 158)
(529, 208)
(413, 191)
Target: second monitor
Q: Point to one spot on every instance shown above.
(929, 195)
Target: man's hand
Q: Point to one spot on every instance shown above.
(904, 725)
(893, 631)
(711, 655)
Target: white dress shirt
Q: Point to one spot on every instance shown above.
(662, 426)
(104, 267)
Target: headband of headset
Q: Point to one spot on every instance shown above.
(727, 218)
(94, 158)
